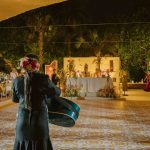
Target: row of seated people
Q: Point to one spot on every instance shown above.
(96, 74)
(5, 88)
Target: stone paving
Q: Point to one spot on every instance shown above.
(137, 95)
(102, 125)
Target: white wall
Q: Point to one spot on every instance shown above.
(79, 63)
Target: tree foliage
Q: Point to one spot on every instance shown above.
(63, 32)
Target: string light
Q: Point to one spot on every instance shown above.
(87, 24)
(73, 42)
(102, 24)
(20, 27)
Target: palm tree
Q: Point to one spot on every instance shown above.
(41, 26)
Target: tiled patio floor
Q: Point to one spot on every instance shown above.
(102, 125)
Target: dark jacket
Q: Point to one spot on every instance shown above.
(32, 126)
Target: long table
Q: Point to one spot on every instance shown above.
(89, 85)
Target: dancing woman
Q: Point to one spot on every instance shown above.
(31, 91)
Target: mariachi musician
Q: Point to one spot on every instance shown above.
(32, 91)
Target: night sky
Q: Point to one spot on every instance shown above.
(105, 10)
(96, 11)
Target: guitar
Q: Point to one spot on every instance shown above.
(63, 112)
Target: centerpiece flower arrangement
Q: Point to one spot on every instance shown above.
(70, 66)
(63, 77)
(97, 61)
(72, 91)
(107, 91)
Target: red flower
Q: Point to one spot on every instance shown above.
(29, 64)
(33, 63)
(25, 63)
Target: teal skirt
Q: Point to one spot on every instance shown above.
(32, 132)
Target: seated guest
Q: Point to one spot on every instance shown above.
(97, 73)
(78, 74)
(107, 73)
(72, 74)
(50, 72)
(54, 77)
(86, 73)
(13, 73)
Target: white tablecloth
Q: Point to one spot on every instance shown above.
(89, 84)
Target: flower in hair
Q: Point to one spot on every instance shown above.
(29, 64)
